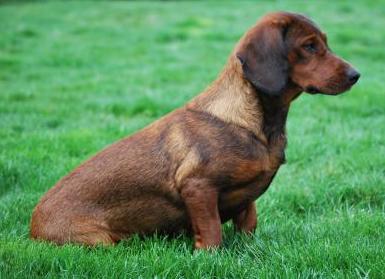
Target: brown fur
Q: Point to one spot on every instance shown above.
(207, 162)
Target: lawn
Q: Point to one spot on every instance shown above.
(77, 76)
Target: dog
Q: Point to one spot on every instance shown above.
(207, 162)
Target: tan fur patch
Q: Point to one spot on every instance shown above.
(233, 100)
(190, 164)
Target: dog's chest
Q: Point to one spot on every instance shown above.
(236, 198)
(265, 159)
(250, 179)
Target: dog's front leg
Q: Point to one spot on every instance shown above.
(246, 220)
(201, 200)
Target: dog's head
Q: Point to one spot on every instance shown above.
(285, 47)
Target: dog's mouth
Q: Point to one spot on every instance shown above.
(312, 90)
(334, 90)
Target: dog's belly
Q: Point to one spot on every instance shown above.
(232, 201)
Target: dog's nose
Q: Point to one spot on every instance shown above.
(353, 75)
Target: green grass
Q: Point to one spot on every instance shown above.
(75, 77)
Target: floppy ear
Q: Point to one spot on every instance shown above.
(263, 56)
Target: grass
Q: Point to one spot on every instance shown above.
(77, 76)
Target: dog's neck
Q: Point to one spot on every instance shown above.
(233, 99)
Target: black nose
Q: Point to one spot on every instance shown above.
(353, 75)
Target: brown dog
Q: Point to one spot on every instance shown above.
(205, 163)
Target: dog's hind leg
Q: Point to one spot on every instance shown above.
(92, 233)
(86, 231)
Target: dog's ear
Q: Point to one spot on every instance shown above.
(263, 56)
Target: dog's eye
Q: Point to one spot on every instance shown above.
(310, 47)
